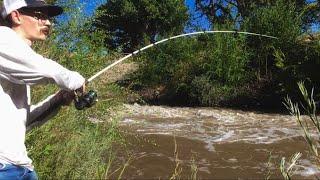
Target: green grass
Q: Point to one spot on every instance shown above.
(70, 146)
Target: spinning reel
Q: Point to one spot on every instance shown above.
(87, 100)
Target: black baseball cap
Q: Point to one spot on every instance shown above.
(11, 5)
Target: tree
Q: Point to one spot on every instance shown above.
(222, 11)
(132, 23)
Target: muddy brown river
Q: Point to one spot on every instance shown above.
(212, 143)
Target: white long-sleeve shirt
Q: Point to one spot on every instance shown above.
(21, 67)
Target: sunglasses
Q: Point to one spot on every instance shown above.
(38, 15)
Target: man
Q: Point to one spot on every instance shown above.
(26, 21)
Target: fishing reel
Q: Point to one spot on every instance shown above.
(86, 100)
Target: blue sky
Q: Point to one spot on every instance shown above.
(201, 22)
(91, 5)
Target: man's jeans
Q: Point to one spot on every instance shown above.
(12, 172)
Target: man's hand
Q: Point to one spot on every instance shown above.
(80, 91)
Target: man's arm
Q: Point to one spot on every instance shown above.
(46, 109)
(21, 65)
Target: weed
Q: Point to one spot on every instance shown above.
(288, 170)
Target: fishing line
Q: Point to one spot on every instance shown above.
(86, 100)
(171, 38)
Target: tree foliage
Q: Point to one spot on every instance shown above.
(281, 20)
(289, 59)
(131, 23)
(222, 11)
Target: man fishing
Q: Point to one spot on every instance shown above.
(24, 22)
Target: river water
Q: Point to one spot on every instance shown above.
(212, 143)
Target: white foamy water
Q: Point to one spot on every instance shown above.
(212, 125)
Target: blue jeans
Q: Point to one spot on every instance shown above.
(12, 172)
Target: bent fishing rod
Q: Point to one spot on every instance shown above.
(88, 99)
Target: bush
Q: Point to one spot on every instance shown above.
(189, 68)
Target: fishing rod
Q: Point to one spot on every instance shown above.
(88, 99)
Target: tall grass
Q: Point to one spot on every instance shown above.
(287, 169)
(310, 126)
(177, 170)
(194, 169)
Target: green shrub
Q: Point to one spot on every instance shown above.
(190, 67)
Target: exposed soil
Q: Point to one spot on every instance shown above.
(118, 72)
